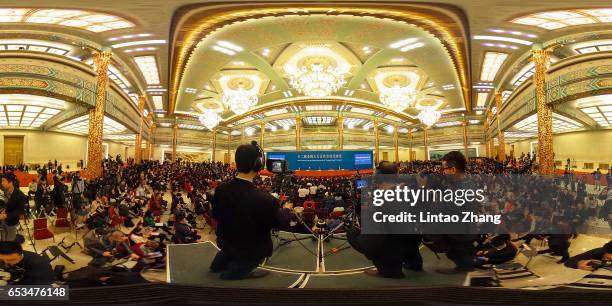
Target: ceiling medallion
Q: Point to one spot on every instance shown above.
(429, 116)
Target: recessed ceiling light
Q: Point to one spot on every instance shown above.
(402, 43)
(491, 65)
(502, 38)
(148, 67)
(138, 43)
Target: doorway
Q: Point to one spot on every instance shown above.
(13, 150)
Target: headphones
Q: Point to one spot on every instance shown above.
(258, 164)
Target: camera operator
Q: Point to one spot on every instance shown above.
(43, 198)
(23, 267)
(387, 252)
(14, 208)
(245, 216)
(593, 259)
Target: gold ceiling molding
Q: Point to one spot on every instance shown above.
(192, 23)
(303, 101)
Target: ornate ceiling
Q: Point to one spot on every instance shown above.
(189, 58)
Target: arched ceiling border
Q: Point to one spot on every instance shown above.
(192, 23)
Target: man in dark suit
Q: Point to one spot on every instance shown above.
(14, 208)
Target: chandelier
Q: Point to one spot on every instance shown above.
(240, 100)
(209, 119)
(317, 80)
(397, 98)
(429, 116)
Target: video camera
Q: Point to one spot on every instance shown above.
(277, 166)
(598, 264)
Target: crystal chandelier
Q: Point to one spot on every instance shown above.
(316, 81)
(210, 119)
(429, 116)
(240, 100)
(397, 98)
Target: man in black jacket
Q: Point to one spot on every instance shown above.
(14, 208)
(245, 216)
(22, 267)
(590, 260)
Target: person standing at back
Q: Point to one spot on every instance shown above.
(245, 216)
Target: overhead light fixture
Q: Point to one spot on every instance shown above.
(429, 116)
(318, 107)
(190, 90)
(412, 46)
(317, 80)
(287, 93)
(138, 43)
(86, 20)
(403, 42)
(318, 120)
(148, 67)
(274, 112)
(239, 100)
(130, 36)
(517, 33)
(491, 65)
(349, 93)
(140, 49)
(397, 98)
(552, 20)
(209, 119)
(158, 102)
(448, 86)
(502, 38)
(481, 99)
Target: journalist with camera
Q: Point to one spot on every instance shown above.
(19, 267)
(245, 216)
(593, 259)
(14, 207)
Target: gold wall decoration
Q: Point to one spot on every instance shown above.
(410, 144)
(214, 144)
(340, 124)
(195, 22)
(396, 143)
(425, 149)
(376, 143)
(298, 133)
(541, 59)
(96, 115)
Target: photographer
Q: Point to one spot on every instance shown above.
(23, 267)
(245, 216)
(593, 259)
(387, 252)
(43, 198)
(14, 208)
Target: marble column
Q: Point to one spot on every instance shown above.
(95, 135)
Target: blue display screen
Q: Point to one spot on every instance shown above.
(363, 159)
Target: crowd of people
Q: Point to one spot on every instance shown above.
(132, 211)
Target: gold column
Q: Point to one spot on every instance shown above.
(262, 134)
(174, 140)
(465, 140)
(410, 144)
(214, 144)
(152, 140)
(376, 143)
(229, 148)
(396, 143)
(541, 59)
(425, 142)
(138, 145)
(298, 133)
(501, 152)
(486, 138)
(147, 154)
(340, 123)
(96, 116)
(242, 135)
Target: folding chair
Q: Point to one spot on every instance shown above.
(61, 219)
(41, 232)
